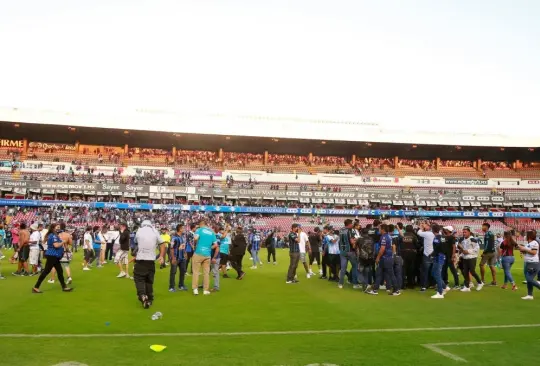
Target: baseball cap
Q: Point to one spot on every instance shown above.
(449, 228)
(34, 226)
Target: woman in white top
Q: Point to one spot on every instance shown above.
(532, 263)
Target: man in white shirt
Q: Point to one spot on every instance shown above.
(148, 241)
(34, 243)
(88, 249)
(427, 260)
(304, 241)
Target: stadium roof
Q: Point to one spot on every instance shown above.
(272, 127)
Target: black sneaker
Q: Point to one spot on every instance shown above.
(226, 276)
(423, 289)
(295, 281)
(16, 273)
(323, 278)
(241, 276)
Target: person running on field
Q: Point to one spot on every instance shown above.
(66, 258)
(35, 242)
(23, 251)
(55, 252)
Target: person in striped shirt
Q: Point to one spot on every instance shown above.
(255, 247)
(294, 254)
(178, 256)
(347, 251)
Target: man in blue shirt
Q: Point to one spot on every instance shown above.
(488, 256)
(205, 241)
(385, 262)
(177, 254)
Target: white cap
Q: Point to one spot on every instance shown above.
(449, 228)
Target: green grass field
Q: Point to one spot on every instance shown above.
(260, 321)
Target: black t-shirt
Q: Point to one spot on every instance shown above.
(315, 242)
(409, 242)
(447, 242)
(375, 235)
(124, 240)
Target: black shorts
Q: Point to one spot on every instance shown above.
(24, 253)
(223, 259)
(314, 256)
(88, 254)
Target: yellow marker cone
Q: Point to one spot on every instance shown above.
(157, 347)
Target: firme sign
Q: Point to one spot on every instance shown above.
(11, 143)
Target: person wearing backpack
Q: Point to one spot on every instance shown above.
(366, 259)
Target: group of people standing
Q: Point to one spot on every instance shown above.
(393, 257)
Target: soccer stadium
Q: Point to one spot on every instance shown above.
(337, 231)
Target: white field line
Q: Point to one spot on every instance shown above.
(286, 332)
(436, 347)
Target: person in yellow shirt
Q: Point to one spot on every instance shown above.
(167, 241)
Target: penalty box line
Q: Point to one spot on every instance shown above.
(287, 332)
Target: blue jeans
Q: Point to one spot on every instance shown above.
(345, 259)
(507, 263)
(531, 271)
(427, 262)
(398, 272)
(436, 271)
(385, 270)
(255, 256)
(214, 268)
(97, 251)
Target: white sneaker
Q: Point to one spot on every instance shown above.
(320, 272)
(382, 287)
(104, 263)
(356, 287)
(69, 280)
(465, 289)
(289, 282)
(250, 258)
(2, 257)
(86, 269)
(311, 273)
(195, 291)
(340, 286)
(447, 289)
(308, 275)
(122, 274)
(253, 267)
(479, 287)
(471, 285)
(275, 263)
(50, 281)
(260, 263)
(527, 298)
(437, 296)
(206, 293)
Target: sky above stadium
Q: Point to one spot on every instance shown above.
(461, 65)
